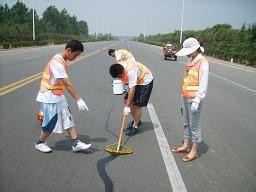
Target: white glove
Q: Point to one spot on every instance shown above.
(194, 106)
(82, 105)
(127, 110)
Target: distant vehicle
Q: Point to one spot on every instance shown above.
(169, 51)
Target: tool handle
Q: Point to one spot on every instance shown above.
(121, 132)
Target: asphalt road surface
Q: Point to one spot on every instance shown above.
(228, 153)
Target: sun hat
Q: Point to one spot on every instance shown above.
(190, 45)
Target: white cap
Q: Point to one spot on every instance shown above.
(190, 45)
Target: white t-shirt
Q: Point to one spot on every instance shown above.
(134, 74)
(120, 56)
(57, 71)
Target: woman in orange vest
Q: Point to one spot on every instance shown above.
(54, 107)
(139, 79)
(194, 87)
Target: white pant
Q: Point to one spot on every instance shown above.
(57, 116)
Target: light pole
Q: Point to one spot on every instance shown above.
(181, 26)
(34, 35)
(144, 30)
(96, 28)
(109, 32)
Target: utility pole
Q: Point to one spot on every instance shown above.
(181, 26)
(96, 29)
(34, 35)
(144, 30)
(108, 29)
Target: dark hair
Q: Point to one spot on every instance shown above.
(116, 70)
(111, 51)
(199, 50)
(75, 45)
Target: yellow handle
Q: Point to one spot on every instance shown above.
(121, 132)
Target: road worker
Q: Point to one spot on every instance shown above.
(194, 87)
(121, 55)
(140, 83)
(53, 104)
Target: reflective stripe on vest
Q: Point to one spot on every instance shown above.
(51, 87)
(130, 65)
(192, 88)
(46, 76)
(193, 73)
(58, 87)
(190, 84)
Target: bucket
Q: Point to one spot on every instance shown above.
(117, 87)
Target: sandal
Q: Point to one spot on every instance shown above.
(187, 159)
(176, 150)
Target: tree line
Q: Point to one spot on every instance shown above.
(220, 41)
(54, 26)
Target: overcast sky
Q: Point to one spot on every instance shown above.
(127, 17)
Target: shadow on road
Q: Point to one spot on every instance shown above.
(102, 163)
(203, 147)
(66, 144)
(146, 126)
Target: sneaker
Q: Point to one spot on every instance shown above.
(80, 146)
(43, 147)
(131, 131)
(129, 125)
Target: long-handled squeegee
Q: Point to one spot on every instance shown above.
(118, 148)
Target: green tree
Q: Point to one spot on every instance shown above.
(221, 41)
(83, 27)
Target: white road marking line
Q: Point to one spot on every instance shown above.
(234, 83)
(40, 47)
(169, 161)
(32, 57)
(128, 46)
(242, 68)
(155, 51)
(27, 48)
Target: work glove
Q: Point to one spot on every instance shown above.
(127, 110)
(194, 106)
(82, 105)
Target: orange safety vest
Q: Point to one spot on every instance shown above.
(58, 87)
(190, 83)
(131, 65)
(127, 54)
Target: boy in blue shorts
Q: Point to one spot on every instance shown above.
(53, 104)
